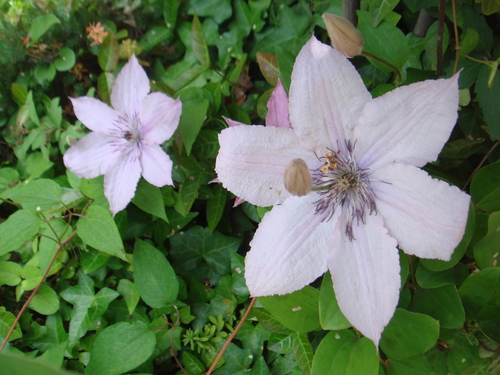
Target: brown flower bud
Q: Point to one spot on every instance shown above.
(297, 178)
(345, 38)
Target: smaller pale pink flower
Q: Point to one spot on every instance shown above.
(125, 140)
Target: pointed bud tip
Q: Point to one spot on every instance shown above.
(297, 179)
(345, 38)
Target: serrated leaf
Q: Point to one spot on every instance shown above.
(128, 345)
(109, 53)
(20, 227)
(154, 277)
(199, 43)
(98, 230)
(40, 25)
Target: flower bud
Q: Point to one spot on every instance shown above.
(345, 38)
(297, 178)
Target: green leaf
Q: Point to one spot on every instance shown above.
(219, 10)
(45, 301)
(485, 188)
(98, 230)
(109, 52)
(375, 40)
(268, 65)
(128, 291)
(20, 227)
(417, 365)
(194, 110)
(442, 304)
(104, 86)
(149, 199)
(19, 93)
(199, 43)
(37, 164)
(40, 25)
(409, 334)
(330, 316)
(188, 192)
(486, 250)
(170, 8)
(121, 347)
(45, 73)
(469, 41)
(189, 248)
(32, 276)
(192, 365)
(154, 277)
(6, 321)
(10, 273)
(298, 310)
(380, 9)
(431, 41)
(31, 108)
(39, 194)
(480, 293)
(8, 178)
(303, 352)
(215, 206)
(434, 279)
(341, 352)
(154, 36)
(236, 359)
(15, 364)
(66, 60)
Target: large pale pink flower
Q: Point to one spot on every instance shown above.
(125, 140)
(369, 194)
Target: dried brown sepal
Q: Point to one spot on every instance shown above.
(297, 179)
(345, 38)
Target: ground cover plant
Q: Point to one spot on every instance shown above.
(130, 203)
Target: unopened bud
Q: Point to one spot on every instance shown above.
(297, 179)
(345, 38)
(70, 140)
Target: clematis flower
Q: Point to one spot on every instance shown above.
(368, 195)
(125, 140)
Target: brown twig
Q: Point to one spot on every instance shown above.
(455, 31)
(439, 42)
(349, 8)
(226, 344)
(18, 317)
(492, 148)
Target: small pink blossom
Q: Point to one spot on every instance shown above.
(125, 140)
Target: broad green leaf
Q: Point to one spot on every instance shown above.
(191, 364)
(434, 279)
(380, 9)
(170, 8)
(121, 347)
(417, 365)
(440, 265)
(219, 10)
(40, 194)
(92, 259)
(195, 103)
(15, 364)
(431, 41)
(298, 310)
(236, 359)
(489, 7)
(149, 199)
(6, 321)
(267, 320)
(68, 199)
(341, 352)
(409, 334)
(10, 273)
(199, 43)
(37, 164)
(189, 248)
(375, 40)
(32, 276)
(45, 74)
(31, 108)
(486, 251)
(206, 145)
(154, 36)
(128, 291)
(480, 293)
(469, 41)
(45, 301)
(8, 178)
(104, 86)
(215, 206)
(40, 25)
(485, 188)
(154, 277)
(20, 227)
(19, 93)
(66, 60)
(330, 316)
(98, 230)
(303, 352)
(109, 52)
(188, 192)
(442, 304)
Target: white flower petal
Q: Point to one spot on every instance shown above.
(408, 125)
(131, 86)
(252, 160)
(425, 215)
(91, 156)
(156, 166)
(277, 114)
(121, 180)
(159, 117)
(289, 249)
(365, 274)
(326, 96)
(95, 115)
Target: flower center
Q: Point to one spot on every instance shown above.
(340, 183)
